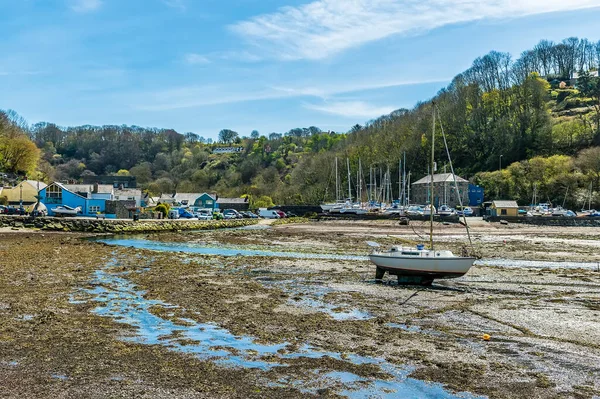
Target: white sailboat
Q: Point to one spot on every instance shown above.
(338, 204)
(419, 265)
(64, 210)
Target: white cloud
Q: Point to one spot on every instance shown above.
(199, 96)
(175, 4)
(326, 27)
(196, 59)
(83, 6)
(351, 109)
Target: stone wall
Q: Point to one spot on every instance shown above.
(548, 221)
(117, 226)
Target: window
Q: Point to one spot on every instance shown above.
(503, 212)
(94, 209)
(54, 194)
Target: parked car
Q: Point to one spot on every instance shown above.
(280, 213)
(204, 214)
(467, 211)
(185, 214)
(268, 213)
(231, 214)
(290, 215)
(3, 209)
(251, 215)
(174, 213)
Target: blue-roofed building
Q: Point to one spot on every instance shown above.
(475, 195)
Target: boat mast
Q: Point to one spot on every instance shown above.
(337, 181)
(349, 182)
(445, 200)
(360, 177)
(431, 183)
(404, 180)
(408, 190)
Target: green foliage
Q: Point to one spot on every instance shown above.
(263, 201)
(163, 208)
(3, 200)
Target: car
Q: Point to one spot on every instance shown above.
(280, 213)
(3, 209)
(231, 214)
(251, 215)
(290, 215)
(204, 214)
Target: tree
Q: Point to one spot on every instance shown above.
(589, 86)
(588, 161)
(228, 136)
(123, 172)
(254, 135)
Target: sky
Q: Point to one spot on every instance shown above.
(204, 65)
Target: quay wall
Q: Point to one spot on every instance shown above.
(117, 226)
(548, 221)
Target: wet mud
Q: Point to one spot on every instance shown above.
(80, 318)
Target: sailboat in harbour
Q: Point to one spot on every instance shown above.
(418, 265)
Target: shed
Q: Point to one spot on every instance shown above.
(505, 208)
(239, 204)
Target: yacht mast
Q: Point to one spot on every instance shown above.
(349, 180)
(337, 181)
(431, 183)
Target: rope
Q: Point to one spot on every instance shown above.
(454, 178)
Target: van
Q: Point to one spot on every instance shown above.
(268, 213)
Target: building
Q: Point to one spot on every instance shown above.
(91, 199)
(239, 204)
(25, 193)
(444, 191)
(475, 195)
(196, 200)
(115, 181)
(227, 150)
(504, 208)
(128, 194)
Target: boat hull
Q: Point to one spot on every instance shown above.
(435, 268)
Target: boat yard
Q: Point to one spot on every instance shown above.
(294, 311)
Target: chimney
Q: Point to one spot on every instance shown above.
(95, 189)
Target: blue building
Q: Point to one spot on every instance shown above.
(475, 195)
(90, 198)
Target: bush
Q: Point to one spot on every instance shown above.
(3, 200)
(163, 208)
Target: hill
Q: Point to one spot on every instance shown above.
(538, 116)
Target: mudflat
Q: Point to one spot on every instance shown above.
(90, 319)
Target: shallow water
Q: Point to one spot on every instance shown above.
(119, 299)
(142, 243)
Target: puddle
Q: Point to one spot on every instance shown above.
(119, 299)
(537, 264)
(404, 327)
(59, 377)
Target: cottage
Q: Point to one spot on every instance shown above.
(129, 194)
(196, 200)
(24, 193)
(504, 208)
(444, 191)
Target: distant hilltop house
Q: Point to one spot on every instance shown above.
(227, 150)
(23, 193)
(93, 199)
(443, 184)
(593, 74)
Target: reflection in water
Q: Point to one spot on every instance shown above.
(118, 299)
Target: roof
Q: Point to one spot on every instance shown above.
(34, 184)
(232, 201)
(441, 178)
(505, 204)
(130, 192)
(89, 188)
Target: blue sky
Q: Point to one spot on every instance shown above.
(204, 65)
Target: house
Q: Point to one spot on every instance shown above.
(239, 204)
(227, 150)
(444, 191)
(196, 200)
(91, 199)
(24, 193)
(504, 208)
(128, 194)
(475, 195)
